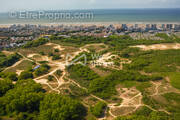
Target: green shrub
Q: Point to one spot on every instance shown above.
(5, 85)
(98, 109)
(56, 57)
(25, 75)
(50, 78)
(35, 43)
(57, 107)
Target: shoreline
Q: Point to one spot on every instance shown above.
(89, 23)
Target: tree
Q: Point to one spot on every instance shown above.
(50, 77)
(59, 72)
(6, 61)
(56, 50)
(98, 109)
(56, 57)
(36, 43)
(56, 107)
(42, 70)
(82, 74)
(12, 76)
(25, 75)
(50, 54)
(24, 97)
(5, 85)
(9, 75)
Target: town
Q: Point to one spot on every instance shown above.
(18, 35)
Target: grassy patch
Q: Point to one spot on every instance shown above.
(24, 65)
(78, 92)
(175, 80)
(154, 61)
(174, 104)
(82, 74)
(142, 86)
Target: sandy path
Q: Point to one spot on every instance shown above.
(127, 102)
(14, 65)
(61, 66)
(26, 58)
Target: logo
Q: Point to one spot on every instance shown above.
(77, 60)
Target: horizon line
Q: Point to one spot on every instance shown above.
(85, 9)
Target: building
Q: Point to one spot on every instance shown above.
(169, 26)
(124, 27)
(176, 27)
(148, 27)
(163, 26)
(153, 27)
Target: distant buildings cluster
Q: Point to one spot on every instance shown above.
(18, 35)
(151, 27)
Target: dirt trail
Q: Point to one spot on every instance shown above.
(60, 81)
(166, 86)
(134, 100)
(19, 62)
(159, 93)
(61, 66)
(131, 98)
(26, 58)
(14, 65)
(157, 85)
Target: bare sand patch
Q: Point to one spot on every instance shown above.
(56, 46)
(41, 58)
(164, 46)
(42, 81)
(18, 72)
(31, 55)
(49, 43)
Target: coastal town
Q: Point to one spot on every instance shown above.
(90, 60)
(17, 35)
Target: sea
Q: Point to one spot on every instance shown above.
(141, 16)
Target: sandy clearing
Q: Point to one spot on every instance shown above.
(49, 44)
(31, 55)
(56, 46)
(18, 72)
(42, 81)
(43, 58)
(164, 46)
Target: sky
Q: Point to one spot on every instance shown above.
(8, 5)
